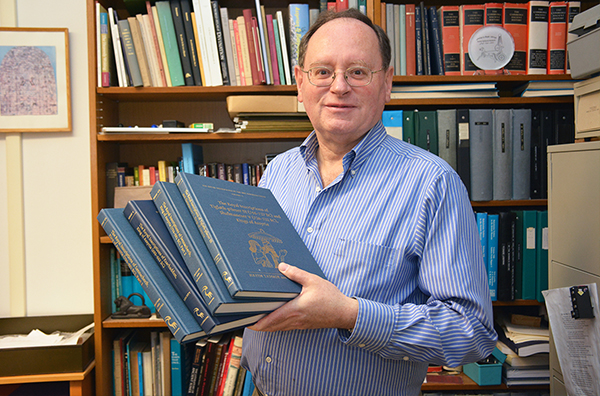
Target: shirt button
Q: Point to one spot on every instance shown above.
(309, 230)
(405, 358)
(361, 345)
(318, 189)
(268, 359)
(353, 172)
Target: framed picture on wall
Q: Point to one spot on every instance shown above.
(35, 93)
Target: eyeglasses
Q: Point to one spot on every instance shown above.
(356, 76)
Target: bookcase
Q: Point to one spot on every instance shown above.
(146, 106)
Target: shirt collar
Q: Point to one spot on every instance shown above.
(355, 157)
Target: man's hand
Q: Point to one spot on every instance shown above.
(319, 305)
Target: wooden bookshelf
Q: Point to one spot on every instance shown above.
(146, 106)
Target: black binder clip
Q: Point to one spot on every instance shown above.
(582, 303)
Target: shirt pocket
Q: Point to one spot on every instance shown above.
(371, 271)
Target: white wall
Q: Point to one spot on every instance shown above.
(56, 185)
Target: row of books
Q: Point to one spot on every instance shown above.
(195, 42)
(499, 153)
(206, 252)
(149, 364)
(435, 41)
(515, 251)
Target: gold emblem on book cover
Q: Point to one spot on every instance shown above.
(263, 251)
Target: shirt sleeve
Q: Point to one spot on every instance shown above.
(455, 325)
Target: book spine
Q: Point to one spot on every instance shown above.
(299, 23)
(427, 58)
(436, 38)
(161, 78)
(273, 49)
(408, 126)
(129, 53)
(236, 59)
(573, 8)
(515, 21)
(528, 253)
(450, 39)
(170, 43)
(252, 57)
(480, 153)
(159, 45)
(493, 14)
(502, 155)
(284, 52)
(521, 153)
(419, 57)
(227, 276)
(401, 16)
(140, 51)
(172, 266)
(411, 67)
(492, 255)
(463, 157)
(143, 23)
(557, 37)
(184, 232)
(229, 47)
(188, 24)
(258, 51)
(471, 18)
(537, 43)
(263, 41)
(426, 132)
(105, 50)
(182, 45)
(446, 121)
(179, 320)
(216, 15)
(541, 276)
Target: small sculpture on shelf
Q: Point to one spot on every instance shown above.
(128, 310)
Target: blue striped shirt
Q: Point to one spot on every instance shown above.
(397, 232)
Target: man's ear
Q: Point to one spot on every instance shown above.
(299, 75)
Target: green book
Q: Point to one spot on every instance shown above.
(426, 133)
(525, 265)
(167, 28)
(408, 126)
(541, 245)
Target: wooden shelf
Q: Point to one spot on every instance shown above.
(153, 322)
(213, 137)
(468, 384)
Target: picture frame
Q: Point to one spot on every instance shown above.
(35, 90)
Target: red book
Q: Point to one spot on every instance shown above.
(341, 5)
(515, 21)
(331, 6)
(258, 51)
(451, 39)
(471, 18)
(273, 49)
(557, 38)
(411, 66)
(156, 45)
(152, 175)
(493, 13)
(247, 13)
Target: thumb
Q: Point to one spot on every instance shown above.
(294, 273)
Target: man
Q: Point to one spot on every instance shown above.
(390, 225)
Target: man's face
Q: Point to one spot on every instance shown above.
(340, 111)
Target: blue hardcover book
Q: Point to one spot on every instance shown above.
(392, 121)
(437, 57)
(299, 22)
(181, 364)
(170, 306)
(180, 223)
(145, 220)
(492, 256)
(482, 225)
(541, 247)
(419, 57)
(192, 156)
(248, 236)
